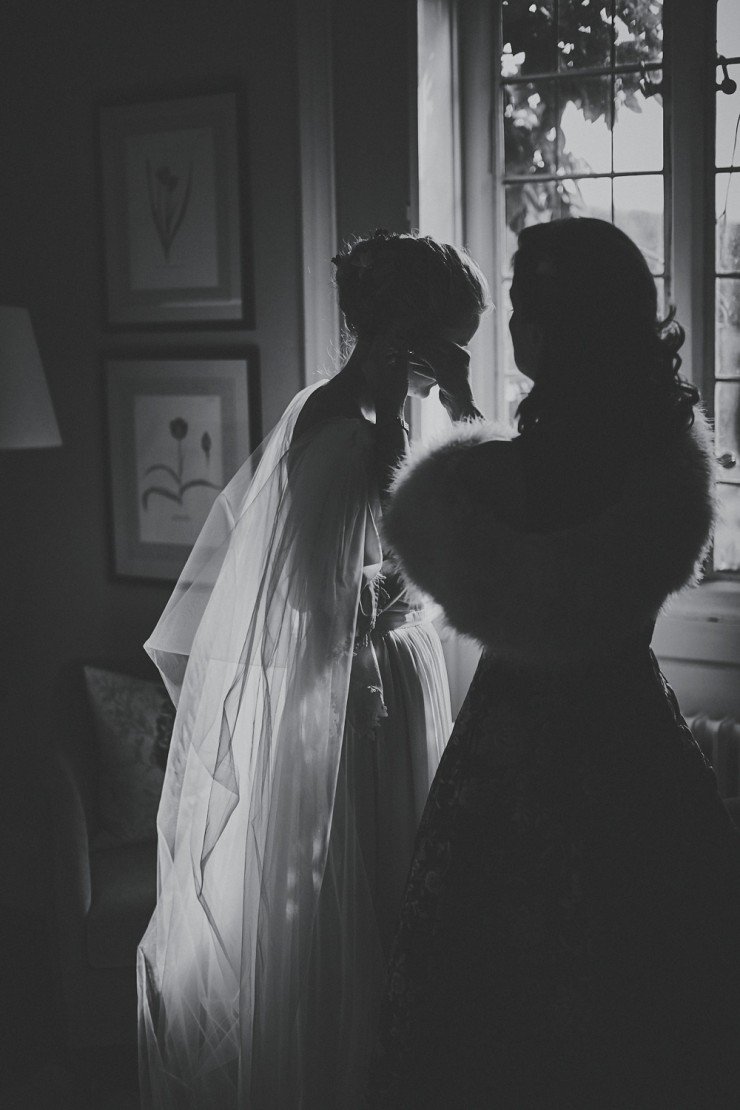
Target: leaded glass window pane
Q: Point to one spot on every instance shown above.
(582, 123)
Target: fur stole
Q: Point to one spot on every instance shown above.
(555, 597)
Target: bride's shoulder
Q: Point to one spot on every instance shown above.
(327, 403)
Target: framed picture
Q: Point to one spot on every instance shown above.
(172, 226)
(178, 430)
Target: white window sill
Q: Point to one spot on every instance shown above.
(702, 625)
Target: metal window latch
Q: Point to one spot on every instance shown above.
(727, 461)
(726, 85)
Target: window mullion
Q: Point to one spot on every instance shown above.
(689, 57)
(481, 162)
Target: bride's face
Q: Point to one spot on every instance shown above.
(421, 377)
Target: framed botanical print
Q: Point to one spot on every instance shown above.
(173, 229)
(178, 430)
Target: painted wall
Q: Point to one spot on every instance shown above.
(374, 53)
(59, 603)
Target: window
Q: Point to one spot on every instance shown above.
(597, 108)
(727, 286)
(581, 107)
(611, 108)
(604, 108)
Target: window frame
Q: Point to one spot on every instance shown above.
(690, 48)
(689, 52)
(610, 71)
(714, 274)
(689, 70)
(699, 634)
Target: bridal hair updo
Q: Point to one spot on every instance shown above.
(589, 289)
(407, 278)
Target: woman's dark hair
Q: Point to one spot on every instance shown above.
(407, 277)
(589, 288)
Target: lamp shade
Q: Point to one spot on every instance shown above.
(26, 413)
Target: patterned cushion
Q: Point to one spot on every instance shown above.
(133, 724)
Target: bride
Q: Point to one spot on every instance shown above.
(312, 711)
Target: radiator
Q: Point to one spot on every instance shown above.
(720, 743)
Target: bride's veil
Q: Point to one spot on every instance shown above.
(255, 647)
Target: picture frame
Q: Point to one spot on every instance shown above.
(178, 430)
(174, 238)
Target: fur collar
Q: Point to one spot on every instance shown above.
(556, 597)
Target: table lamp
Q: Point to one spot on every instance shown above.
(26, 413)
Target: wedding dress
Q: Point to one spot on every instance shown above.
(312, 711)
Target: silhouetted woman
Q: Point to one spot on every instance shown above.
(570, 932)
(312, 710)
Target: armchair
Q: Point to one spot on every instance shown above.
(103, 895)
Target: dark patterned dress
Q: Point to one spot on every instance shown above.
(570, 934)
(570, 931)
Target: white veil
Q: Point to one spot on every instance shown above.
(255, 646)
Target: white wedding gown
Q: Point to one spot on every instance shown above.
(286, 823)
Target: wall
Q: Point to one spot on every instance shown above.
(374, 53)
(59, 602)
